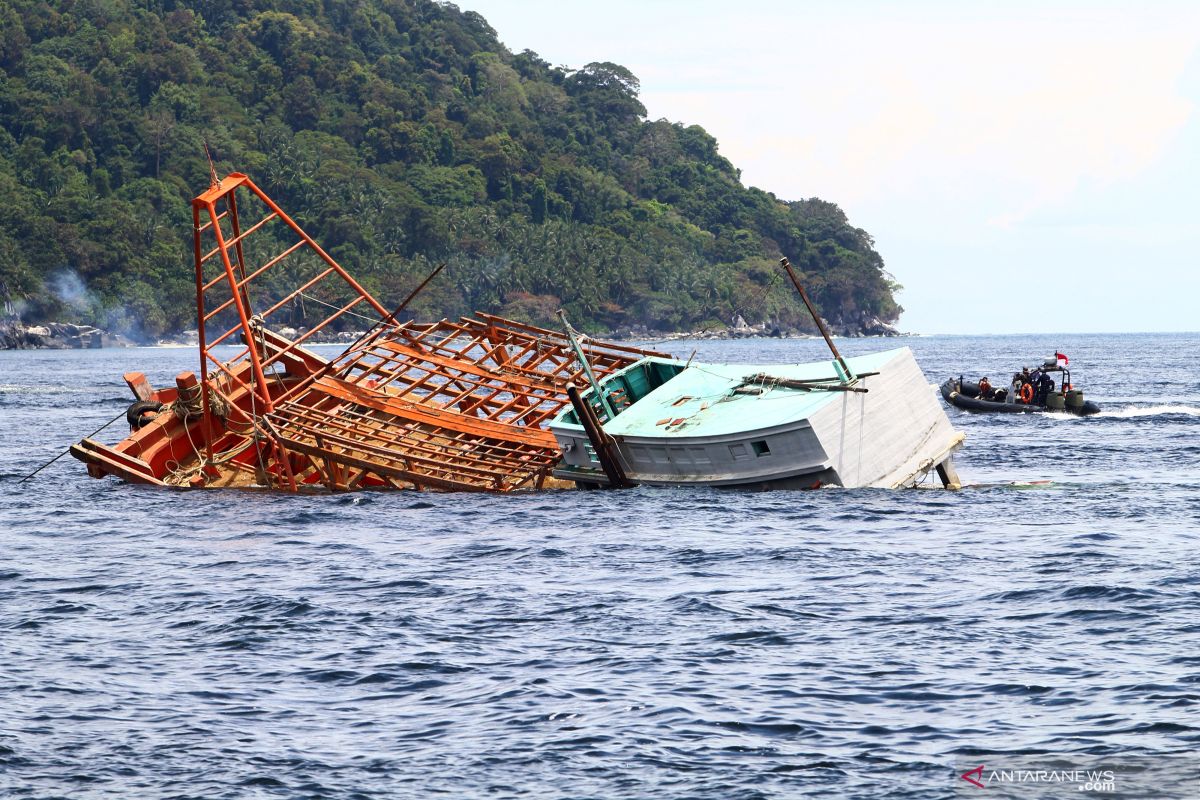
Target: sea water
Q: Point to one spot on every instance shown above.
(647, 643)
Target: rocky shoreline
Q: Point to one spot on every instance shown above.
(871, 327)
(58, 336)
(67, 336)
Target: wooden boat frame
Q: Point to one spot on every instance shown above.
(456, 405)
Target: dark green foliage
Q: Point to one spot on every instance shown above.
(399, 133)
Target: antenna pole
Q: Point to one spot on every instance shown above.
(848, 376)
(572, 337)
(212, 168)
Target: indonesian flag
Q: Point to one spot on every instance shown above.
(1062, 357)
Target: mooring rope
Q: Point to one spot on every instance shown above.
(64, 452)
(188, 406)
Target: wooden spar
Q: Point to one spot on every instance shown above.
(849, 376)
(374, 331)
(392, 317)
(587, 367)
(763, 378)
(200, 314)
(602, 443)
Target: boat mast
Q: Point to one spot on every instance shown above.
(847, 375)
(573, 338)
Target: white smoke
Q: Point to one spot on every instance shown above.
(68, 287)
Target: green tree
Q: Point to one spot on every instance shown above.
(397, 134)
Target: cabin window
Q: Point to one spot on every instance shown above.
(738, 451)
(761, 448)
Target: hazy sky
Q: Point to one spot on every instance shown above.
(1023, 166)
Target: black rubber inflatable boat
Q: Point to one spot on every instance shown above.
(1060, 397)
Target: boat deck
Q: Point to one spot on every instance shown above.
(699, 401)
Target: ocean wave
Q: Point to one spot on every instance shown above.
(698, 644)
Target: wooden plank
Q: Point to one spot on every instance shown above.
(137, 383)
(115, 462)
(546, 333)
(432, 449)
(392, 471)
(435, 417)
(529, 384)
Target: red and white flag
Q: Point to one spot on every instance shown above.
(1062, 357)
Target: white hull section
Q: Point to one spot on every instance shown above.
(890, 437)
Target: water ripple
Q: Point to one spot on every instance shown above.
(697, 643)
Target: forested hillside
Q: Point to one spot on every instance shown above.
(400, 133)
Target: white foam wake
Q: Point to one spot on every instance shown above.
(1151, 411)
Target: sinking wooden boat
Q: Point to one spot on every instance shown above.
(867, 421)
(453, 405)
(482, 403)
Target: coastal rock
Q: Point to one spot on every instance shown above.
(16, 335)
(865, 325)
(874, 326)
